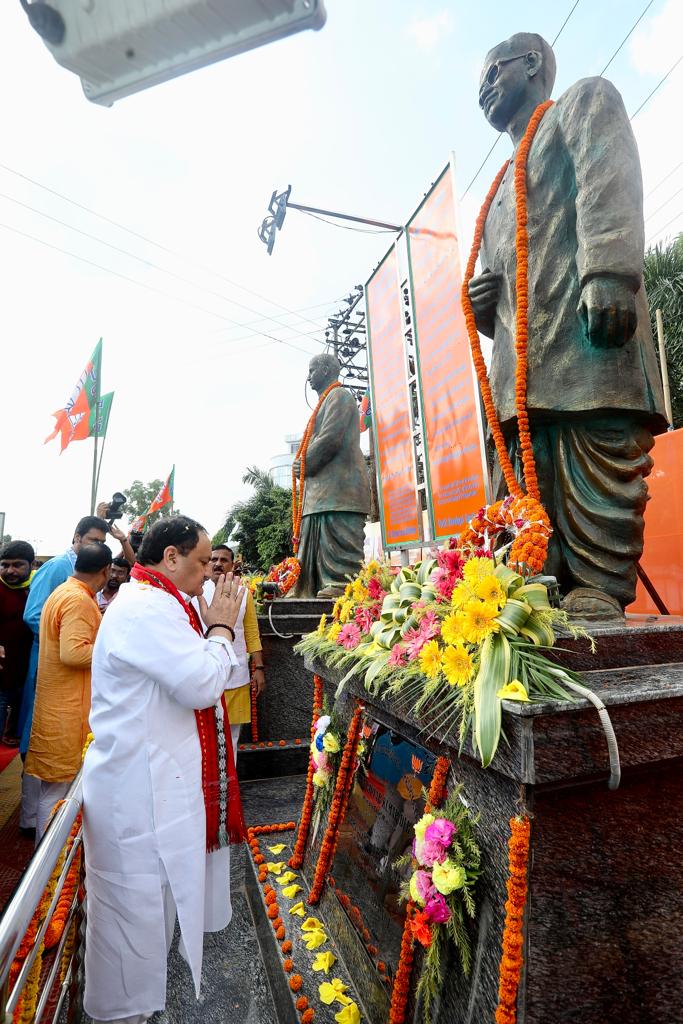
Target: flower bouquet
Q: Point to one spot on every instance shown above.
(326, 751)
(452, 636)
(445, 863)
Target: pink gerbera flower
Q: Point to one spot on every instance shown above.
(349, 636)
(364, 618)
(397, 658)
(415, 641)
(375, 590)
(430, 625)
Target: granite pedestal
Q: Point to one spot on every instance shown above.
(605, 910)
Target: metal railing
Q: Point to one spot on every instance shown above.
(19, 912)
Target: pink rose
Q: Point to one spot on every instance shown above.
(423, 882)
(431, 852)
(436, 909)
(441, 832)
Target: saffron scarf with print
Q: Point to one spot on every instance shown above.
(224, 818)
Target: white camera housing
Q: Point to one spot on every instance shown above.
(120, 47)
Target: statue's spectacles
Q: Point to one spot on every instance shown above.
(493, 72)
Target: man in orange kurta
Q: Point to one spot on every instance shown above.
(68, 627)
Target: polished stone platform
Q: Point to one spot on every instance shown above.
(605, 913)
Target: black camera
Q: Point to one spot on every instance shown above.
(271, 589)
(116, 506)
(135, 539)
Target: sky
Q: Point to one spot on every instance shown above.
(359, 117)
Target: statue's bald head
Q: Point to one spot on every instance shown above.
(521, 68)
(323, 370)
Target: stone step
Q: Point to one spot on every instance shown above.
(272, 759)
(300, 606)
(279, 980)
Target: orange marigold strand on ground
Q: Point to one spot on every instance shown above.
(295, 982)
(511, 959)
(307, 1016)
(287, 946)
(302, 1003)
(254, 712)
(288, 965)
(337, 811)
(297, 858)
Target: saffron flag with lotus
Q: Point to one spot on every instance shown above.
(82, 416)
(165, 495)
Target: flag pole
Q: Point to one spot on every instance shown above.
(95, 475)
(99, 464)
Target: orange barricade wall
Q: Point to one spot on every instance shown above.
(663, 556)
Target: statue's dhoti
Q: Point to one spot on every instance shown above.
(330, 550)
(591, 474)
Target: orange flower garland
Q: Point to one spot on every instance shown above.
(254, 712)
(298, 493)
(401, 989)
(530, 546)
(512, 958)
(297, 858)
(437, 787)
(534, 547)
(342, 790)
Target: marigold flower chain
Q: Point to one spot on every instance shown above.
(437, 788)
(401, 989)
(298, 491)
(511, 957)
(297, 857)
(337, 811)
(254, 712)
(532, 549)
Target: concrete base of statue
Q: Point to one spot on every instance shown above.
(604, 914)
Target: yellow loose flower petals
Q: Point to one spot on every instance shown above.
(278, 848)
(311, 924)
(514, 690)
(285, 879)
(275, 869)
(290, 891)
(298, 909)
(324, 961)
(349, 1015)
(314, 939)
(331, 990)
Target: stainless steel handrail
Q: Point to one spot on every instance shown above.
(19, 911)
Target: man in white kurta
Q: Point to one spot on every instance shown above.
(144, 813)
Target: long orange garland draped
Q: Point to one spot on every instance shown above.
(342, 791)
(297, 858)
(512, 958)
(527, 506)
(298, 493)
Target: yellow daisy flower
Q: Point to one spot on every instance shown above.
(479, 621)
(451, 628)
(461, 595)
(430, 659)
(476, 569)
(457, 664)
(490, 590)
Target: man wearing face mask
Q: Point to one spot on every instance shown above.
(594, 395)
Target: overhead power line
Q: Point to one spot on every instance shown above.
(664, 226)
(149, 241)
(665, 203)
(628, 35)
(665, 178)
(562, 26)
(658, 86)
(348, 227)
(132, 280)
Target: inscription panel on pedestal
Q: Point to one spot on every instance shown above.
(387, 800)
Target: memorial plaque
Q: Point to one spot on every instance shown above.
(387, 800)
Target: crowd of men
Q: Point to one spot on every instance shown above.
(49, 621)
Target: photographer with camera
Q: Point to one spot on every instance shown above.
(111, 511)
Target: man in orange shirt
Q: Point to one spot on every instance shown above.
(68, 627)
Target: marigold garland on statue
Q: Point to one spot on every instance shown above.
(512, 957)
(527, 507)
(297, 857)
(285, 574)
(298, 485)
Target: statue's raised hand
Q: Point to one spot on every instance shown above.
(484, 291)
(608, 311)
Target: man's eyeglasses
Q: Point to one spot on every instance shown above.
(491, 76)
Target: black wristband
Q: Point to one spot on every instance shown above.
(222, 625)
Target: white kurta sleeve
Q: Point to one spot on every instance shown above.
(164, 646)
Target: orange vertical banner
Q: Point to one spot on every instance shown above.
(454, 450)
(395, 456)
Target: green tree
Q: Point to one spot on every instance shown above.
(139, 497)
(664, 285)
(261, 525)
